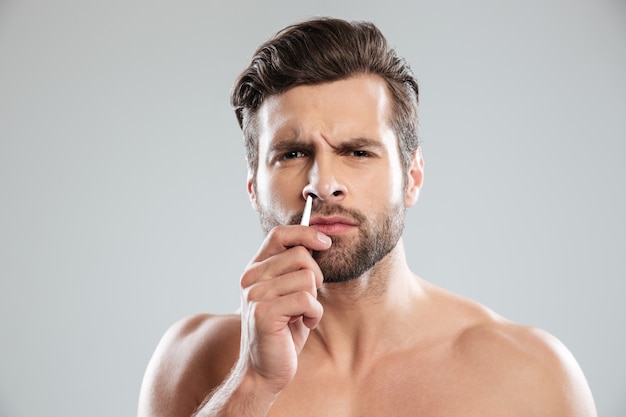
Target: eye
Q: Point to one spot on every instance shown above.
(292, 155)
(360, 154)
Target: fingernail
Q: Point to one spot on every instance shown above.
(323, 238)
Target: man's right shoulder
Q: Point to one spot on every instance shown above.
(205, 328)
(192, 358)
(210, 339)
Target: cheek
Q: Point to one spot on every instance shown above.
(394, 183)
(264, 184)
(274, 196)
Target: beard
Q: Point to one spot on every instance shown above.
(350, 257)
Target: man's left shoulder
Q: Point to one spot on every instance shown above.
(529, 360)
(506, 340)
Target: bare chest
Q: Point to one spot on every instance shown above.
(399, 388)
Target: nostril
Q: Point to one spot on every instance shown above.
(336, 193)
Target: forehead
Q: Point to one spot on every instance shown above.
(358, 106)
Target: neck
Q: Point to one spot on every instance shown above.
(357, 314)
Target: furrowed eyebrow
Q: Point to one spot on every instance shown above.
(360, 143)
(354, 144)
(283, 146)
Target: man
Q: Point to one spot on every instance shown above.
(333, 322)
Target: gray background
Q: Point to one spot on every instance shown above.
(122, 177)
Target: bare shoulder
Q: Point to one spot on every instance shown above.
(192, 358)
(523, 363)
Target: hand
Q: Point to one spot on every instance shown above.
(279, 304)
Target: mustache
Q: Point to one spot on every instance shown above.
(325, 209)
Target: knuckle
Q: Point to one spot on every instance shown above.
(312, 276)
(301, 252)
(308, 281)
(252, 293)
(246, 278)
(260, 310)
(303, 298)
(277, 233)
(300, 257)
(313, 281)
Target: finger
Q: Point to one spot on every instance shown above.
(296, 322)
(281, 238)
(272, 316)
(290, 260)
(302, 280)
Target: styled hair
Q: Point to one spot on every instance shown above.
(323, 50)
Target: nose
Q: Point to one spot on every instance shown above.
(324, 184)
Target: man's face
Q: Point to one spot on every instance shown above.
(333, 140)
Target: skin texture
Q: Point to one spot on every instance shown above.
(384, 343)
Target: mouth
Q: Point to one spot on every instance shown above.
(334, 225)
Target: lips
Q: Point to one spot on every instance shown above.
(334, 225)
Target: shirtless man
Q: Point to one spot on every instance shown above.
(332, 321)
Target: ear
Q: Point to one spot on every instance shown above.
(252, 190)
(415, 178)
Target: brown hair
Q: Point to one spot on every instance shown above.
(323, 50)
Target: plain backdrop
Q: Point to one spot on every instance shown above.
(122, 177)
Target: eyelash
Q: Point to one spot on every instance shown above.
(291, 155)
(360, 154)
